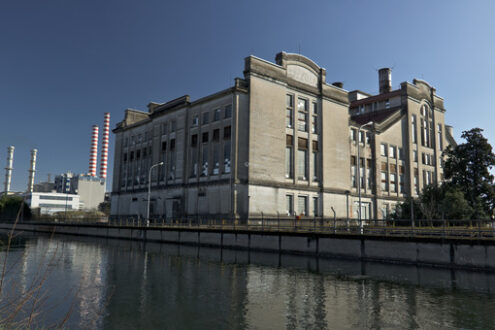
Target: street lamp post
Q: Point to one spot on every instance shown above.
(149, 193)
(359, 171)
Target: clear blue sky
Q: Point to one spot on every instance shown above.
(64, 63)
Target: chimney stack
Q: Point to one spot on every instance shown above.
(8, 169)
(385, 80)
(338, 84)
(32, 169)
(104, 146)
(93, 155)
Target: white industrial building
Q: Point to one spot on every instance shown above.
(50, 203)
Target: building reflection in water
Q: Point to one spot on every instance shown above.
(122, 284)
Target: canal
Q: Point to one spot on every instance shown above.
(109, 283)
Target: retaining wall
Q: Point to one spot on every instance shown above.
(456, 253)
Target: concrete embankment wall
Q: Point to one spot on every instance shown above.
(457, 253)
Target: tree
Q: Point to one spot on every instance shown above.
(10, 206)
(104, 207)
(468, 168)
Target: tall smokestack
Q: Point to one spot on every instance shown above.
(32, 169)
(104, 146)
(385, 80)
(93, 155)
(8, 169)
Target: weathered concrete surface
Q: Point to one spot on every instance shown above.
(457, 253)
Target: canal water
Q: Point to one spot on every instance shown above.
(91, 283)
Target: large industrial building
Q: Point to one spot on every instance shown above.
(281, 141)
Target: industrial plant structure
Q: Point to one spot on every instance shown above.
(281, 141)
(68, 192)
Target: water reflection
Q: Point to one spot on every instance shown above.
(127, 285)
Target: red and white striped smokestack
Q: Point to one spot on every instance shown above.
(104, 146)
(93, 155)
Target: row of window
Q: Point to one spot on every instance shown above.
(56, 198)
(302, 114)
(302, 205)
(391, 151)
(302, 158)
(391, 180)
(364, 137)
(217, 115)
(365, 173)
(204, 153)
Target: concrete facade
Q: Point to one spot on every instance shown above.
(280, 142)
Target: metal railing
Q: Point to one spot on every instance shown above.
(482, 229)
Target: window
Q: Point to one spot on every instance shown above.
(387, 103)
(228, 111)
(383, 150)
(226, 132)
(315, 206)
(392, 152)
(289, 202)
(216, 158)
(216, 134)
(368, 174)
(353, 171)
(401, 179)
(416, 181)
(172, 160)
(226, 156)
(289, 165)
(164, 128)
(353, 134)
(393, 182)
(427, 177)
(314, 118)
(195, 121)
(205, 137)
(414, 133)
(361, 173)
(302, 205)
(125, 156)
(206, 117)
(361, 136)
(194, 156)
(302, 159)
(216, 114)
(204, 160)
(289, 110)
(173, 126)
(384, 184)
(302, 115)
(368, 138)
(415, 156)
(315, 160)
(401, 153)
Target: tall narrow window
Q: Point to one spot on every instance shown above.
(173, 126)
(289, 110)
(195, 121)
(226, 156)
(302, 158)
(206, 117)
(162, 169)
(401, 180)
(353, 171)
(414, 133)
(172, 160)
(314, 118)
(302, 205)
(315, 207)
(228, 111)
(289, 202)
(383, 150)
(204, 157)
(361, 173)
(216, 114)
(416, 182)
(194, 155)
(216, 158)
(289, 156)
(368, 174)
(315, 160)
(302, 115)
